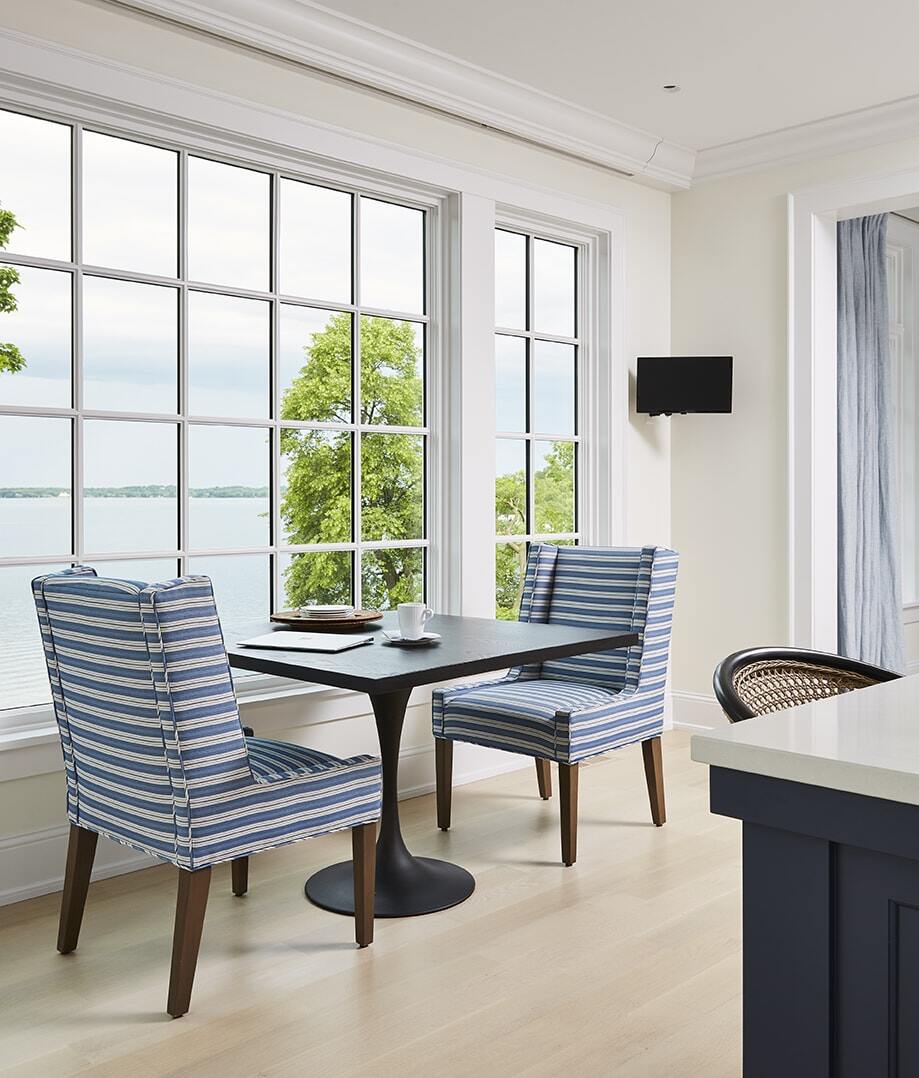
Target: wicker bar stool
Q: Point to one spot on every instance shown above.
(762, 680)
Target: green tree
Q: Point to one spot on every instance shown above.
(316, 502)
(554, 496)
(11, 359)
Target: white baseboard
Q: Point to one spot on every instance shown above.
(33, 863)
(696, 711)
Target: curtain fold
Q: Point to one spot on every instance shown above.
(870, 598)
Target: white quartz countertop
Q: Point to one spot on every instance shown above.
(864, 742)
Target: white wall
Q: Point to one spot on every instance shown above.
(729, 473)
(32, 814)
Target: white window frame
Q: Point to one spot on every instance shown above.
(60, 82)
(431, 204)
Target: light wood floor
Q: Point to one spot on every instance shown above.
(627, 964)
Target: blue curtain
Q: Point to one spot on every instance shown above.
(870, 601)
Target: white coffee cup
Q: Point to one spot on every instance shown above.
(412, 619)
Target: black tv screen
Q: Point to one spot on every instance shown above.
(668, 384)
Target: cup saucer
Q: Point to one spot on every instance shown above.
(396, 639)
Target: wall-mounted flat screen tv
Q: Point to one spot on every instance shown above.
(681, 384)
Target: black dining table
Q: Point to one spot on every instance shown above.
(407, 885)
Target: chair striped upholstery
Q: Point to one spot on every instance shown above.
(153, 748)
(570, 709)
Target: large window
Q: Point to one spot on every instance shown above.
(224, 374)
(536, 377)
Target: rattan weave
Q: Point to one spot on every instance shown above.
(773, 685)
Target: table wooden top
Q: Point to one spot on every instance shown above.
(468, 646)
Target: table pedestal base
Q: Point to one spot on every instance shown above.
(405, 885)
(411, 887)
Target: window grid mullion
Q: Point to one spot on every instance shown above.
(184, 402)
(357, 588)
(276, 597)
(76, 329)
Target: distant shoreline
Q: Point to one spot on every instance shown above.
(134, 492)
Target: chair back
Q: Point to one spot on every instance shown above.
(614, 589)
(144, 704)
(759, 681)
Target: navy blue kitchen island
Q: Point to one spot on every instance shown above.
(829, 798)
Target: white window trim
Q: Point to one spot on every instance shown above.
(43, 78)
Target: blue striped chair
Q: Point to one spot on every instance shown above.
(156, 758)
(569, 710)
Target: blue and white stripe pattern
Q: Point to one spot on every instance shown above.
(153, 748)
(570, 709)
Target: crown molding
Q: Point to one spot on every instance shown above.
(821, 138)
(309, 34)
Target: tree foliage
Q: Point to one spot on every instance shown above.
(316, 505)
(554, 497)
(11, 359)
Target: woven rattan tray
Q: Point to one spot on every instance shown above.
(360, 619)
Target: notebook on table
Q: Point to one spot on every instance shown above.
(293, 641)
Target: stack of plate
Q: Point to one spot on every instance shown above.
(325, 613)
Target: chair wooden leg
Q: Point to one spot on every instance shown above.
(240, 873)
(544, 779)
(568, 798)
(81, 849)
(443, 766)
(654, 776)
(364, 853)
(190, 906)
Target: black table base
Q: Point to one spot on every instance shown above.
(417, 885)
(405, 885)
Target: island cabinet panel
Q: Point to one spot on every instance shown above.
(831, 929)
(877, 964)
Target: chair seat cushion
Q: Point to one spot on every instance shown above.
(520, 716)
(273, 761)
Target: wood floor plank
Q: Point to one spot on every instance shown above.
(627, 963)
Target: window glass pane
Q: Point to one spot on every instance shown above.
(554, 277)
(511, 487)
(23, 673)
(392, 257)
(130, 346)
(242, 591)
(315, 486)
(145, 570)
(36, 184)
(392, 372)
(510, 383)
(40, 328)
(228, 480)
(228, 224)
(390, 577)
(315, 365)
(510, 565)
(323, 577)
(392, 486)
(553, 468)
(130, 205)
(510, 280)
(315, 242)
(129, 484)
(35, 498)
(553, 388)
(226, 333)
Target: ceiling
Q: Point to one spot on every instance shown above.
(745, 69)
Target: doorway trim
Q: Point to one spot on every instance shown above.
(812, 507)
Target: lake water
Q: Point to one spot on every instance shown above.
(37, 526)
